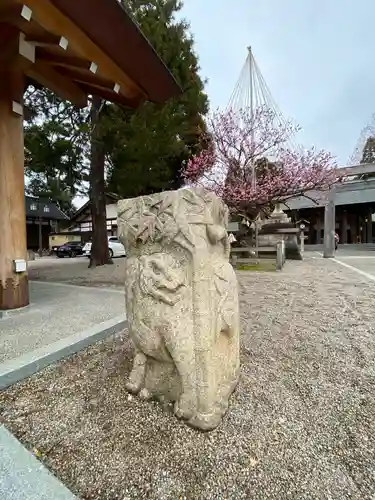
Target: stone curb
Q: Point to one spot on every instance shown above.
(16, 369)
(119, 289)
(23, 476)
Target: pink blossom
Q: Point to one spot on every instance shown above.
(241, 142)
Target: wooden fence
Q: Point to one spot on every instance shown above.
(247, 255)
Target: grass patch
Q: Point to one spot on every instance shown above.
(257, 266)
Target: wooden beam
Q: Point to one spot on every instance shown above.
(17, 15)
(13, 285)
(63, 87)
(48, 40)
(52, 19)
(112, 96)
(15, 52)
(62, 60)
(80, 76)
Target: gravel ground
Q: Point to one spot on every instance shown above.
(76, 272)
(300, 425)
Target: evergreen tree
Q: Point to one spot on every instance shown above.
(368, 154)
(55, 148)
(99, 254)
(147, 149)
(143, 150)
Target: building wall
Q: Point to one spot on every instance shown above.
(61, 239)
(111, 213)
(84, 224)
(354, 223)
(86, 227)
(32, 235)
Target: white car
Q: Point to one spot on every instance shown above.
(116, 248)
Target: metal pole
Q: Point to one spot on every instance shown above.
(329, 226)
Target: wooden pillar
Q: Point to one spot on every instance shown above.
(13, 285)
(344, 228)
(329, 225)
(369, 226)
(355, 228)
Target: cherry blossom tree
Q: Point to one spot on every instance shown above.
(249, 165)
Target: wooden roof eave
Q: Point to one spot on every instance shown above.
(121, 38)
(62, 57)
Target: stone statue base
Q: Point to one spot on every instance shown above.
(277, 228)
(182, 302)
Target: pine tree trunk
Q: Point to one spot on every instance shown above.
(99, 250)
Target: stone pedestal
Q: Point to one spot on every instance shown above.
(181, 302)
(279, 216)
(280, 228)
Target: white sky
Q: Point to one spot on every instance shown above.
(315, 55)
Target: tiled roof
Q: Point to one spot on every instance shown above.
(110, 198)
(37, 207)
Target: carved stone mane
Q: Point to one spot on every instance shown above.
(182, 302)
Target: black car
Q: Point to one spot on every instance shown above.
(70, 249)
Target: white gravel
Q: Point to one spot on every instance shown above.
(300, 425)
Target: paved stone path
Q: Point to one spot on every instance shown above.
(360, 258)
(56, 311)
(365, 264)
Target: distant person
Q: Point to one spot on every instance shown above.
(337, 239)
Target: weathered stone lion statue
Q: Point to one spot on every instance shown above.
(181, 302)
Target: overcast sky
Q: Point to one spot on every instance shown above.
(317, 57)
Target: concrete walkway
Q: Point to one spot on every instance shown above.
(357, 258)
(23, 477)
(363, 264)
(56, 311)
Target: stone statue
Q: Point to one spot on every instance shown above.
(181, 302)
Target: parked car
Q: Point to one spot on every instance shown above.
(70, 249)
(54, 248)
(115, 247)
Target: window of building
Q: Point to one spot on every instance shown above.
(33, 206)
(46, 209)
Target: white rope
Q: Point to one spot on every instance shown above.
(251, 92)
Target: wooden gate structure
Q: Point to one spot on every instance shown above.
(75, 48)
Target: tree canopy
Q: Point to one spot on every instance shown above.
(249, 166)
(55, 148)
(368, 154)
(146, 149)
